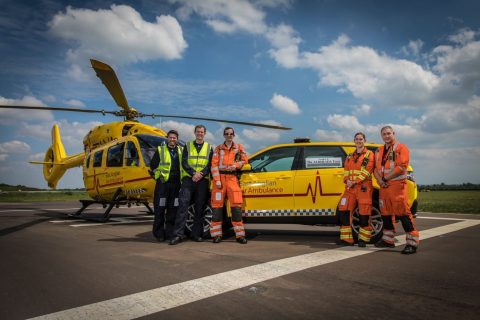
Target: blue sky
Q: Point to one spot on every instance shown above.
(325, 68)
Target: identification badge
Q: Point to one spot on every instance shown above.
(175, 202)
(343, 201)
(218, 196)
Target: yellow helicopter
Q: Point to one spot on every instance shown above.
(116, 155)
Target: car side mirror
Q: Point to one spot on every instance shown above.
(246, 167)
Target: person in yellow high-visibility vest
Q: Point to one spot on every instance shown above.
(165, 165)
(196, 163)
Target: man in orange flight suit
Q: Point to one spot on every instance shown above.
(358, 180)
(227, 159)
(391, 163)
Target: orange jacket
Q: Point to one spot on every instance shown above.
(358, 168)
(394, 159)
(227, 159)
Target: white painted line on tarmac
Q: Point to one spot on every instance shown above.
(57, 209)
(113, 222)
(441, 218)
(152, 301)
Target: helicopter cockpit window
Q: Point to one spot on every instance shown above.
(115, 156)
(148, 145)
(131, 155)
(97, 158)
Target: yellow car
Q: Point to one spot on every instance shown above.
(301, 183)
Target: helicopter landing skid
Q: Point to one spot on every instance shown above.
(109, 205)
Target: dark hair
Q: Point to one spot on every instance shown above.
(172, 132)
(228, 128)
(360, 133)
(198, 126)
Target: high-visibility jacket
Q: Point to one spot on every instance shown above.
(393, 159)
(359, 167)
(165, 162)
(227, 160)
(197, 160)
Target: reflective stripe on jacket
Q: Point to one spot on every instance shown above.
(165, 162)
(227, 159)
(397, 161)
(197, 160)
(359, 169)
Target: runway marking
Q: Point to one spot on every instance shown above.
(152, 301)
(112, 222)
(56, 209)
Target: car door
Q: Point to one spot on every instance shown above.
(268, 188)
(318, 183)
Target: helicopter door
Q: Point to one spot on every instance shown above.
(113, 177)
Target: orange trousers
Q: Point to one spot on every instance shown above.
(230, 189)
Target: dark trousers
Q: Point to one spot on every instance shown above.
(165, 205)
(198, 191)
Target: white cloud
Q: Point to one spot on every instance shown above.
(225, 16)
(9, 116)
(75, 103)
(370, 75)
(414, 48)
(284, 104)
(463, 36)
(268, 136)
(185, 130)
(330, 135)
(124, 36)
(346, 122)
(363, 109)
(13, 147)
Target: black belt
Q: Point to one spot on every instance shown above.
(228, 172)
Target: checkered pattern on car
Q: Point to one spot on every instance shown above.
(286, 213)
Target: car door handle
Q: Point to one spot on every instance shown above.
(283, 177)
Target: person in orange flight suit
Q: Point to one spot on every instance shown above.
(391, 164)
(358, 180)
(227, 159)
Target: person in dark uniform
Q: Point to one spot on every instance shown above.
(165, 166)
(196, 163)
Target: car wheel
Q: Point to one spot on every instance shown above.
(207, 220)
(376, 223)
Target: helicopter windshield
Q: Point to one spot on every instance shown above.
(149, 144)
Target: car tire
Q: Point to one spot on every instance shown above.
(376, 223)
(207, 220)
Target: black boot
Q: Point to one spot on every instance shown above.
(242, 240)
(217, 239)
(361, 244)
(409, 249)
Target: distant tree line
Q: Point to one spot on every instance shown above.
(443, 187)
(19, 187)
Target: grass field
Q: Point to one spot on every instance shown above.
(26, 196)
(433, 201)
(466, 201)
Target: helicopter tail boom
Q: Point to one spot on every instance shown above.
(56, 161)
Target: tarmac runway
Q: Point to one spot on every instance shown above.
(55, 267)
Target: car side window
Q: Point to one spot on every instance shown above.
(115, 156)
(279, 159)
(131, 155)
(97, 158)
(322, 157)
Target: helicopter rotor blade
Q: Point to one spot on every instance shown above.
(270, 126)
(110, 81)
(58, 109)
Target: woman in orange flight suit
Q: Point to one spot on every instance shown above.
(227, 159)
(358, 180)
